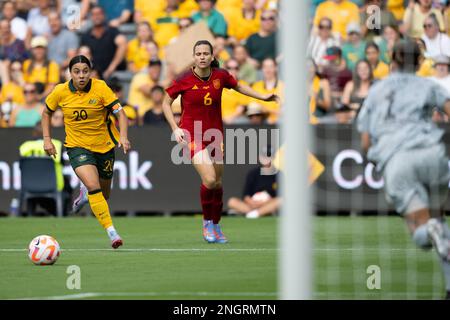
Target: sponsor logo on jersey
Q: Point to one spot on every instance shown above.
(194, 87)
(82, 158)
(92, 101)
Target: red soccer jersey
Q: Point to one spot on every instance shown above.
(201, 100)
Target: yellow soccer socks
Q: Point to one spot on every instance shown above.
(100, 208)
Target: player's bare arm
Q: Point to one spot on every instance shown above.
(447, 108)
(246, 90)
(167, 109)
(123, 127)
(49, 147)
(121, 43)
(365, 142)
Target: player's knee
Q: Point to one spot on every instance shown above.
(420, 237)
(209, 181)
(92, 186)
(232, 202)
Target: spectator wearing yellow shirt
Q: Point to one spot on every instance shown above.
(39, 69)
(379, 68)
(270, 84)
(187, 7)
(141, 85)
(228, 7)
(397, 7)
(233, 102)
(145, 10)
(426, 68)
(341, 12)
(12, 82)
(141, 49)
(11, 95)
(166, 23)
(220, 51)
(149, 10)
(447, 18)
(415, 16)
(243, 22)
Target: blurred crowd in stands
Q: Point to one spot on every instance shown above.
(351, 44)
(349, 50)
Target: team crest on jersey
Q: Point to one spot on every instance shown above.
(92, 101)
(216, 83)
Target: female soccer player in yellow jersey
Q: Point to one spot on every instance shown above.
(90, 135)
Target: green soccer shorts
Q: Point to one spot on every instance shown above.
(103, 161)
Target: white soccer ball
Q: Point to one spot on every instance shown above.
(44, 250)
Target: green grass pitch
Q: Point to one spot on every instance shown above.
(166, 258)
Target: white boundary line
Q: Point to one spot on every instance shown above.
(155, 250)
(317, 295)
(331, 249)
(151, 294)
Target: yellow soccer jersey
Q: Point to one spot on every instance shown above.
(86, 114)
(149, 9)
(341, 14)
(381, 71)
(138, 54)
(231, 100)
(12, 91)
(43, 74)
(241, 28)
(270, 106)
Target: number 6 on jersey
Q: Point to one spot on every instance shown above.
(207, 100)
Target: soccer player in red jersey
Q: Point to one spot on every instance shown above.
(201, 120)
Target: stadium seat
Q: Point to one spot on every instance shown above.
(38, 180)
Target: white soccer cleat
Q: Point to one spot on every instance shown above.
(436, 233)
(116, 240)
(254, 214)
(81, 200)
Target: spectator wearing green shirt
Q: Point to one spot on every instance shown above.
(213, 18)
(262, 44)
(353, 50)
